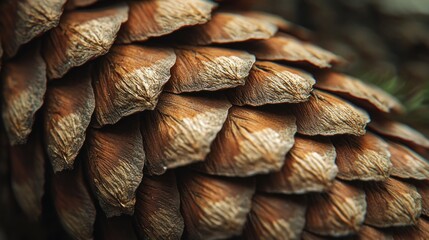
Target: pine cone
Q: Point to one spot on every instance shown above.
(163, 119)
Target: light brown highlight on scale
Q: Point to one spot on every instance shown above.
(364, 94)
(423, 190)
(309, 167)
(214, 207)
(82, 36)
(208, 69)
(180, 130)
(392, 203)
(399, 132)
(130, 79)
(283, 25)
(115, 160)
(69, 106)
(158, 208)
(364, 158)
(283, 47)
(270, 83)
(26, 19)
(251, 142)
(167, 119)
(325, 114)
(23, 89)
(228, 27)
(28, 175)
(407, 163)
(275, 217)
(338, 212)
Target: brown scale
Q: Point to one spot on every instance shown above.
(392, 203)
(271, 83)
(115, 160)
(24, 20)
(81, 36)
(250, 142)
(154, 18)
(178, 129)
(309, 167)
(364, 158)
(157, 212)
(23, 89)
(327, 115)
(69, 105)
(27, 163)
(214, 207)
(369, 96)
(275, 217)
(338, 212)
(73, 203)
(208, 69)
(129, 79)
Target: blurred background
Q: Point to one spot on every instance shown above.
(385, 41)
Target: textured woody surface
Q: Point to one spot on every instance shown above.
(407, 163)
(28, 175)
(270, 83)
(392, 203)
(287, 48)
(25, 19)
(369, 96)
(274, 217)
(73, 203)
(339, 212)
(23, 89)
(367, 232)
(115, 165)
(158, 208)
(208, 68)
(423, 190)
(69, 107)
(325, 114)
(364, 158)
(250, 142)
(130, 79)
(181, 129)
(400, 132)
(155, 18)
(81, 36)
(225, 27)
(214, 207)
(419, 231)
(309, 167)
(221, 103)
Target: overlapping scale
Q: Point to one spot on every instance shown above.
(24, 20)
(23, 89)
(69, 105)
(81, 36)
(156, 111)
(154, 18)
